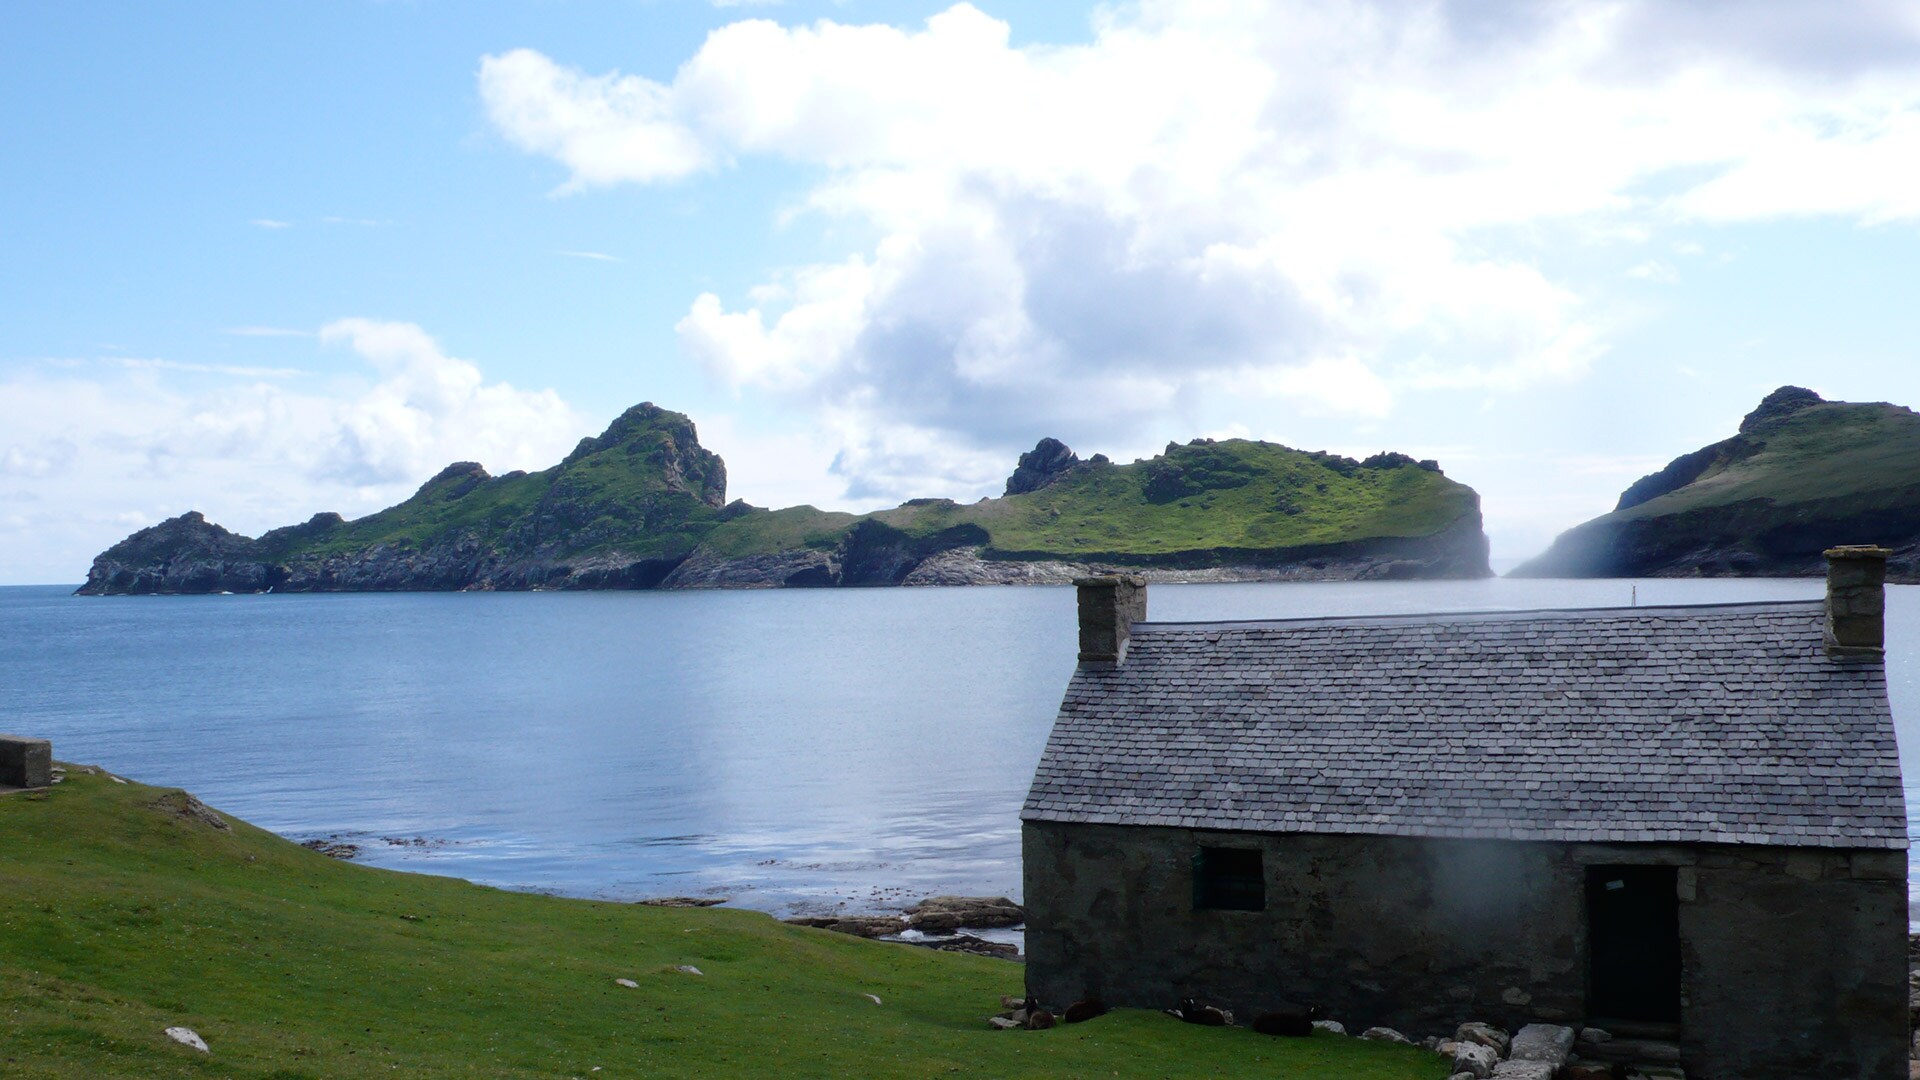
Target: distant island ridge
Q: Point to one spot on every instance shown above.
(1801, 475)
(644, 505)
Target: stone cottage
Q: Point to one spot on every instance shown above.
(1687, 821)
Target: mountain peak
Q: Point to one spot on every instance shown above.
(1780, 404)
(666, 440)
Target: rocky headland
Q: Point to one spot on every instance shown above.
(644, 506)
(1801, 475)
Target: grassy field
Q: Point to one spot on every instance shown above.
(1867, 454)
(1232, 495)
(124, 912)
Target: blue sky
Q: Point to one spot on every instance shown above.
(262, 261)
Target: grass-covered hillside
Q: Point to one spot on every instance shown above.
(644, 505)
(1237, 495)
(126, 910)
(1801, 475)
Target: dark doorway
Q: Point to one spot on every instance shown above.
(1633, 943)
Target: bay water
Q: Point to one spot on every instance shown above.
(798, 751)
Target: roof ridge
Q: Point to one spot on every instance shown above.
(1486, 615)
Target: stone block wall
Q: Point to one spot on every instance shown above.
(1794, 960)
(25, 763)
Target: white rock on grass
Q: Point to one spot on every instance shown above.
(188, 1037)
(689, 969)
(1550, 1043)
(1386, 1034)
(875, 998)
(628, 983)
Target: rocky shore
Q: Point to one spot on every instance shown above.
(1455, 553)
(938, 922)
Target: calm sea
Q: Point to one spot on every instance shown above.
(793, 750)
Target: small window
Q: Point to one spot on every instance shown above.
(1229, 879)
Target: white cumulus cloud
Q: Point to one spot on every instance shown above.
(1213, 209)
(94, 446)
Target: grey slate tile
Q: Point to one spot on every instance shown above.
(1718, 724)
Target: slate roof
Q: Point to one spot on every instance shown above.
(1725, 724)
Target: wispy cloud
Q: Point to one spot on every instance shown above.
(265, 331)
(597, 256)
(241, 370)
(1655, 271)
(271, 223)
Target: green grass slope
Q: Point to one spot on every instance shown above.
(1237, 495)
(645, 487)
(1802, 475)
(1866, 454)
(124, 912)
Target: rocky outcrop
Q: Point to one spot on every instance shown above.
(1041, 466)
(186, 554)
(1779, 405)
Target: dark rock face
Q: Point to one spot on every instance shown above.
(456, 479)
(186, 554)
(1747, 539)
(875, 553)
(1041, 466)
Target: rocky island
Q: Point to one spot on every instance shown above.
(644, 506)
(1802, 475)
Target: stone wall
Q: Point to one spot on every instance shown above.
(24, 762)
(1794, 960)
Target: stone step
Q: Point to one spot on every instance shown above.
(1600, 1070)
(1638, 1029)
(1630, 1051)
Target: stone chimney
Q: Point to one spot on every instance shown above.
(1109, 606)
(1856, 602)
